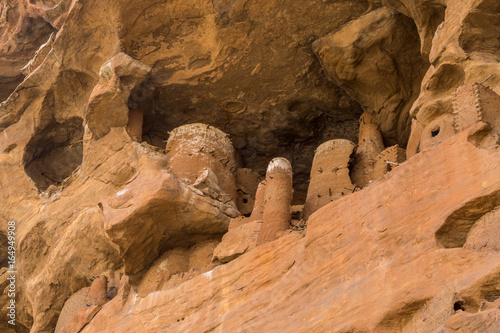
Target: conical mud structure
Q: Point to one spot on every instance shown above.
(98, 293)
(370, 144)
(329, 175)
(278, 198)
(260, 198)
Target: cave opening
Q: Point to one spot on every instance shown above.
(54, 152)
(459, 305)
(296, 138)
(9, 85)
(261, 127)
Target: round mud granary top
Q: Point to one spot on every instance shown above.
(192, 137)
(192, 148)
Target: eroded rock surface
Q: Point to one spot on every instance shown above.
(363, 242)
(376, 59)
(110, 194)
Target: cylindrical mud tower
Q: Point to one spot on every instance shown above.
(329, 175)
(134, 126)
(258, 207)
(370, 144)
(193, 147)
(278, 199)
(98, 293)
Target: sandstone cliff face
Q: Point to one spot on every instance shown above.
(118, 230)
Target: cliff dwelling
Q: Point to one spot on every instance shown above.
(250, 166)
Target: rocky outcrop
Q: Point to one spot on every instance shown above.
(376, 59)
(134, 137)
(466, 322)
(381, 239)
(108, 103)
(462, 53)
(235, 66)
(237, 241)
(25, 27)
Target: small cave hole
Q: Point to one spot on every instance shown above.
(435, 132)
(459, 305)
(10, 148)
(245, 200)
(54, 152)
(154, 128)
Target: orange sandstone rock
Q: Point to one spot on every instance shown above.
(107, 107)
(437, 131)
(413, 146)
(81, 319)
(374, 252)
(237, 241)
(71, 307)
(108, 103)
(465, 322)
